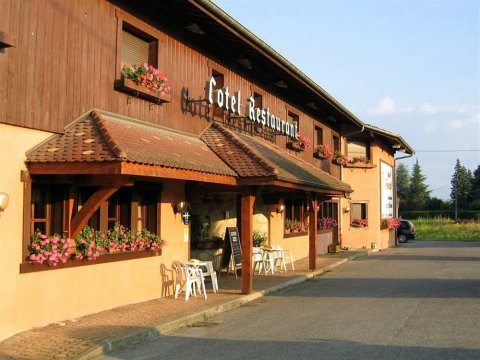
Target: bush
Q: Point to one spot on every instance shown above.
(259, 239)
(431, 214)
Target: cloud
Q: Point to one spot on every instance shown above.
(428, 108)
(385, 106)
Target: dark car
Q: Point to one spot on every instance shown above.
(406, 231)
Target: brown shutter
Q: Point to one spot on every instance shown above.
(134, 49)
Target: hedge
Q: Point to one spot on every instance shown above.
(429, 214)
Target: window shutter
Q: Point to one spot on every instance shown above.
(356, 149)
(134, 49)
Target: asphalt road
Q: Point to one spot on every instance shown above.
(418, 301)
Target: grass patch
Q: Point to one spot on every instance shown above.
(446, 229)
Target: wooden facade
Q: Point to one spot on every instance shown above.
(65, 64)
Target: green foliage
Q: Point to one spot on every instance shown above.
(417, 191)
(475, 190)
(442, 228)
(259, 239)
(431, 214)
(438, 204)
(462, 180)
(403, 183)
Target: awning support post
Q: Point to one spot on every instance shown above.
(247, 201)
(312, 233)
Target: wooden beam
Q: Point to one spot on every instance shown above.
(247, 201)
(68, 211)
(178, 174)
(87, 210)
(106, 167)
(27, 214)
(312, 234)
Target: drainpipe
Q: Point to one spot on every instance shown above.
(395, 188)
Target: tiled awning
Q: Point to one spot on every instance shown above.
(104, 143)
(255, 159)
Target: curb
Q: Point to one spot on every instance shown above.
(153, 332)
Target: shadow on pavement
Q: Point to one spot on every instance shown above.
(168, 347)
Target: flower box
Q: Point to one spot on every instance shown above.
(295, 146)
(319, 156)
(333, 248)
(103, 259)
(131, 87)
(360, 165)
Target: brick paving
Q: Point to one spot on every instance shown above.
(71, 339)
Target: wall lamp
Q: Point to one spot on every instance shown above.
(346, 209)
(280, 209)
(179, 207)
(3, 201)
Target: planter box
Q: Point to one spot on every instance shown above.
(333, 248)
(130, 87)
(102, 259)
(294, 145)
(360, 165)
(319, 156)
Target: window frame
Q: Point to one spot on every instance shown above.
(359, 202)
(137, 28)
(68, 196)
(294, 207)
(367, 149)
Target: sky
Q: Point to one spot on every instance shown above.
(410, 67)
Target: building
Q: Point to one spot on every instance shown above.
(82, 144)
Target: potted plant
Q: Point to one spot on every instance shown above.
(259, 239)
(334, 248)
(339, 158)
(359, 223)
(145, 81)
(326, 223)
(288, 226)
(323, 152)
(301, 144)
(51, 250)
(390, 223)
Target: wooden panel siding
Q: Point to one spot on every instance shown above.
(64, 65)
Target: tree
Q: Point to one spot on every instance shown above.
(402, 183)
(417, 190)
(461, 186)
(475, 190)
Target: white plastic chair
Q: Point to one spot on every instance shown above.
(278, 256)
(213, 275)
(269, 261)
(258, 258)
(188, 279)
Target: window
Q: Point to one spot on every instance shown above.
(83, 195)
(47, 209)
(328, 209)
(147, 211)
(318, 136)
(358, 150)
(359, 214)
(219, 79)
(296, 216)
(119, 209)
(336, 143)
(294, 119)
(138, 47)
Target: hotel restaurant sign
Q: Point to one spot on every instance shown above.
(232, 102)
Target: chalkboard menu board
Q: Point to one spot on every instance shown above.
(232, 253)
